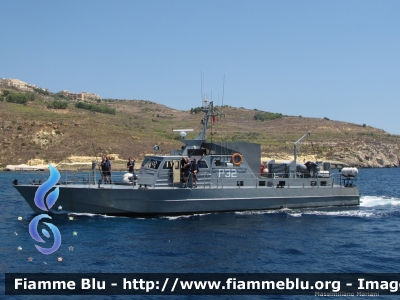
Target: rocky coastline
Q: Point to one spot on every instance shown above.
(367, 158)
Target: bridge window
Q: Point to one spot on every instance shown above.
(151, 163)
(168, 165)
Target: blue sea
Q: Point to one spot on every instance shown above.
(361, 239)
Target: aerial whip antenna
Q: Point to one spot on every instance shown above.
(201, 85)
(223, 90)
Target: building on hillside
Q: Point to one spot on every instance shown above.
(67, 94)
(80, 96)
(88, 96)
(19, 84)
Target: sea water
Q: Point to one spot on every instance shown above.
(361, 239)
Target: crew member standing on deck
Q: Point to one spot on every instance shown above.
(103, 169)
(131, 165)
(194, 168)
(106, 168)
(183, 162)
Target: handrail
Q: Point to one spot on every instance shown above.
(205, 178)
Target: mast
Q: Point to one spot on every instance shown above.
(196, 143)
(208, 110)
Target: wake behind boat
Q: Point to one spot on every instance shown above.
(229, 179)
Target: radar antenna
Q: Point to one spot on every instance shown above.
(182, 132)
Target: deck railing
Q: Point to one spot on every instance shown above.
(205, 179)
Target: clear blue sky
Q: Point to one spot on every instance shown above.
(334, 59)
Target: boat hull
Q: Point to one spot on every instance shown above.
(177, 201)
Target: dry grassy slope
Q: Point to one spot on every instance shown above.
(35, 132)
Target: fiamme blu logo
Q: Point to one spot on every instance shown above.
(46, 206)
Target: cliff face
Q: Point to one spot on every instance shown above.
(372, 151)
(340, 142)
(365, 157)
(33, 131)
(373, 156)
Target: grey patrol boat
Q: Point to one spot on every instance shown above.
(229, 179)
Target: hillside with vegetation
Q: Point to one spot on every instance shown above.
(42, 127)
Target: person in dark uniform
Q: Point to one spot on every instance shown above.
(131, 165)
(106, 169)
(183, 162)
(194, 168)
(103, 169)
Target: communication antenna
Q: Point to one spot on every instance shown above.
(223, 90)
(202, 85)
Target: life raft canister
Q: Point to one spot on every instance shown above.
(237, 159)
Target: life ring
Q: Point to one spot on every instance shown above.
(237, 159)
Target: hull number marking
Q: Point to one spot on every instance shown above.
(227, 173)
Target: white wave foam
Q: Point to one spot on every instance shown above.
(259, 212)
(184, 216)
(297, 213)
(94, 215)
(343, 213)
(365, 210)
(371, 201)
(83, 214)
(176, 217)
